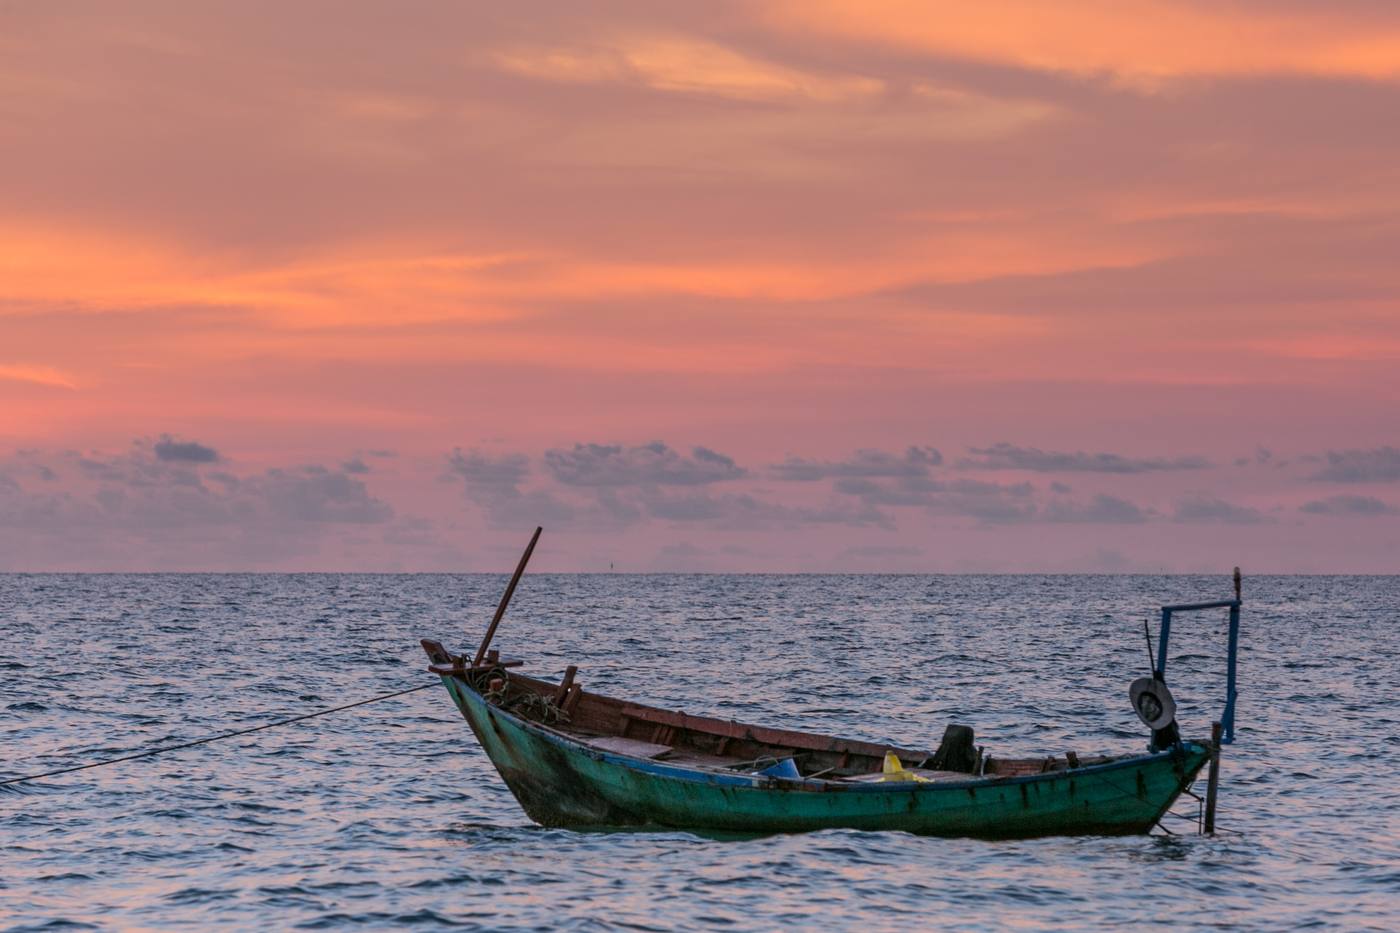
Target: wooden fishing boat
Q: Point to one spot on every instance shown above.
(574, 758)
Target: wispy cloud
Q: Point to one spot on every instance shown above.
(1005, 456)
(38, 375)
(137, 510)
(493, 482)
(746, 511)
(685, 65)
(915, 461)
(1205, 508)
(173, 451)
(648, 464)
(794, 228)
(1141, 43)
(1349, 505)
(1376, 465)
(1102, 509)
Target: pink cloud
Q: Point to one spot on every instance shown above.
(786, 231)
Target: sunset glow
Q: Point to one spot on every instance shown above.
(688, 285)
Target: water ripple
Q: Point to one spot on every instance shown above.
(389, 816)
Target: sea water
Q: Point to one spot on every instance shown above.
(389, 814)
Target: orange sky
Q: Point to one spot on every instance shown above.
(389, 264)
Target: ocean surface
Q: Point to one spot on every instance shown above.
(388, 815)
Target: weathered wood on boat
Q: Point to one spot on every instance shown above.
(565, 684)
(616, 743)
(456, 666)
(781, 738)
(600, 767)
(571, 699)
(505, 598)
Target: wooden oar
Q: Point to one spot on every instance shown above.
(505, 599)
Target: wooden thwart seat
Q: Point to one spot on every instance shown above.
(632, 747)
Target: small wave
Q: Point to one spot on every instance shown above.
(57, 923)
(200, 895)
(232, 847)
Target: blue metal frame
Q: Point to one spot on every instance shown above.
(1227, 718)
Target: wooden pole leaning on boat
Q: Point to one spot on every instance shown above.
(505, 598)
(1213, 782)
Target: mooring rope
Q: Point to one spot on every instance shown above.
(214, 738)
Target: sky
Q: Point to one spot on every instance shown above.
(829, 285)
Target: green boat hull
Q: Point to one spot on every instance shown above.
(562, 782)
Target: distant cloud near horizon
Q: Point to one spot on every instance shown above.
(1004, 456)
(1349, 505)
(493, 481)
(1102, 509)
(149, 507)
(122, 509)
(1203, 508)
(173, 451)
(483, 469)
(615, 486)
(865, 463)
(318, 494)
(746, 511)
(1377, 465)
(990, 503)
(652, 464)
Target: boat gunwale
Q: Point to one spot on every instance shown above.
(702, 774)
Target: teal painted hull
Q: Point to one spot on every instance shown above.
(560, 781)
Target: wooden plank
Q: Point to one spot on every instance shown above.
(764, 736)
(1014, 767)
(686, 756)
(632, 747)
(565, 684)
(457, 668)
(436, 652)
(1213, 781)
(604, 715)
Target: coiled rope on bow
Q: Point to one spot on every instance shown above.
(525, 703)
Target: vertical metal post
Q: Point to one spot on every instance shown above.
(1162, 638)
(1228, 717)
(1213, 783)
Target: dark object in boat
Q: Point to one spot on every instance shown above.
(956, 752)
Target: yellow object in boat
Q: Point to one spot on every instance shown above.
(894, 770)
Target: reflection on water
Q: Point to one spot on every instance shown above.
(389, 815)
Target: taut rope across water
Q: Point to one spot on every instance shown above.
(214, 738)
